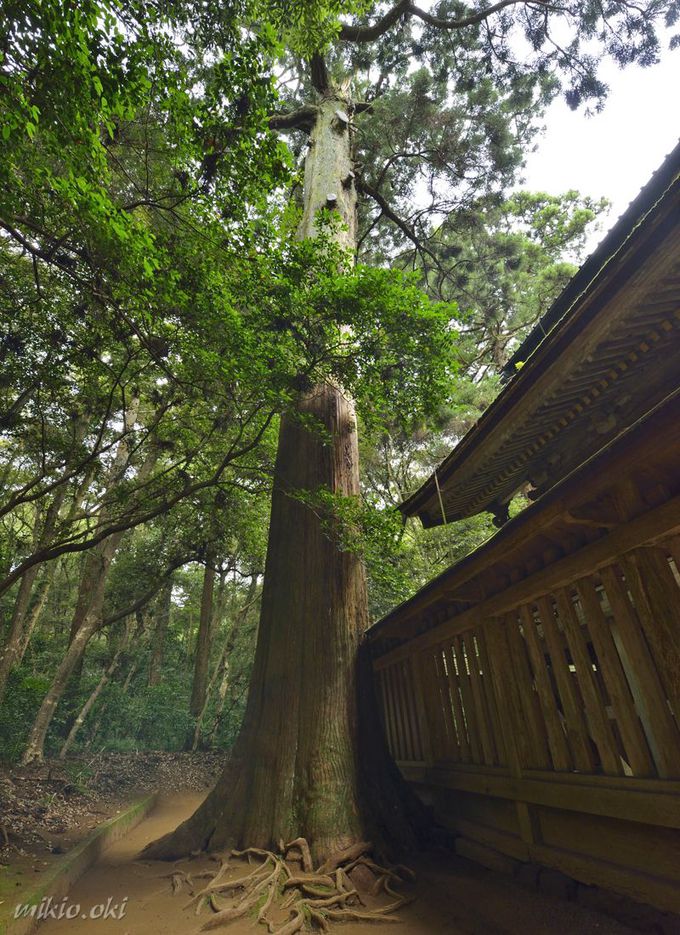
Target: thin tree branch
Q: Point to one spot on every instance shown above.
(403, 8)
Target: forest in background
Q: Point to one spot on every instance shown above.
(159, 316)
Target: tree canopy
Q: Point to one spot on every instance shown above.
(159, 313)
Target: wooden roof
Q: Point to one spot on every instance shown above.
(630, 483)
(611, 352)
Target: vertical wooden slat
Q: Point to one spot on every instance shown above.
(473, 730)
(452, 735)
(634, 741)
(650, 697)
(512, 718)
(657, 600)
(461, 727)
(391, 716)
(508, 697)
(434, 705)
(412, 710)
(487, 684)
(380, 676)
(425, 719)
(558, 743)
(409, 743)
(577, 730)
(400, 735)
(479, 700)
(535, 725)
(597, 715)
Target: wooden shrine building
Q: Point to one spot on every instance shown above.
(531, 692)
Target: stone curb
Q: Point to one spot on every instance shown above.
(58, 880)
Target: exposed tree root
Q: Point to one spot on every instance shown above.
(315, 898)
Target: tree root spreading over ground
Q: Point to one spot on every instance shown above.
(315, 898)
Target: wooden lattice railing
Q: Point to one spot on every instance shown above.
(541, 719)
(582, 678)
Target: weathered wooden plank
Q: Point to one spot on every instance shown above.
(508, 700)
(409, 739)
(664, 894)
(487, 685)
(401, 753)
(380, 676)
(469, 710)
(657, 601)
(534, 725)
(483, 720)
(409, 690)
(634, 741)
(455, 744)
(612, 797)
(656, 524)
(425, 720)
(597, 717)
(650, 698)
(558, 744)
(575, 723)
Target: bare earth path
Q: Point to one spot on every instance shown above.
(454, 897)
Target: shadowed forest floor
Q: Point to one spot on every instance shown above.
(454, 896)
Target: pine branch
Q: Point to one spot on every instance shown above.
(404, 8)
(390, 214)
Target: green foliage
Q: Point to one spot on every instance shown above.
(159, 313)
(504, 263)
(25, 692)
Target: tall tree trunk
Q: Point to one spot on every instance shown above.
(89, 614)
(221, 671)
(12, 646)
(138, 639)
(96, 692)
(40, 600)
(12, 652)
(293, 770)
(202, 654)
(162, 612)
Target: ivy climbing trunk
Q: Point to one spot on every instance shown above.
(293, 770)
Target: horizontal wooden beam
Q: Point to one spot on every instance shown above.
(655, 437)
(657, 804)
(649, 528)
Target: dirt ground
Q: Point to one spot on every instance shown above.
(454, 897)
(49, 808)
(46, 810)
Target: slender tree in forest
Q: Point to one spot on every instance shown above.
(397, 101)
(161, 622)
(203, 637)
(88, 613)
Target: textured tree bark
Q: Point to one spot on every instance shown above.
(295, 767)
(163, 605)
(221, 674)
(34, 614)
(202, 655)
(13, 649)
(12, 646)
(89, 614)
(96, 692)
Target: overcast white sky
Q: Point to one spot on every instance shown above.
(615, 152)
